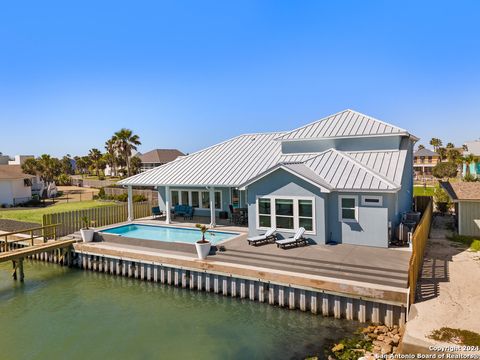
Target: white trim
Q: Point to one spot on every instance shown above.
(296, 217)
(340, 217)
(373, 197)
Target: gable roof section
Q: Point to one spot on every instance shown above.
(13, 172)
(346, 123)
(160, 156)
(334, 170)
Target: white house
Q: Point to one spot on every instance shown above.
(15, 185)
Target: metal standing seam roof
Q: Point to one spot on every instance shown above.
(346, 123)
(238, 161)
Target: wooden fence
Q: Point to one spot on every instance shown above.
(419, 242)
(71, 221)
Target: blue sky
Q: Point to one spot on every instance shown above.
(189, 74)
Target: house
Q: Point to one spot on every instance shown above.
(158, 157)
(346, 178)
(424, 161)
(15, 185)
(466, 197)
(472, 147)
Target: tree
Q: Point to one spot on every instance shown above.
(83, 163)
(465, 147)
(450, 145)
(135, 164)
(49, 167)
(125, 142)
(420, 147)
(31, 167)
(67, 167)
(442, 152)
(95, 156)
(436, 143)
(445, 170)
(110, 156)
(467, 160)
(453, 155)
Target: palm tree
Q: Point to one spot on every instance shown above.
(111, 155)
(442, 152)
(125, 142)
(436, 143)
(453, 154)
(96, 156)
(450, 145)
(465, 147)
(467, 160)
(49, 167)
(420, 147)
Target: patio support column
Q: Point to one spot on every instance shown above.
(212, 206)
(130, 203)
(167, 205)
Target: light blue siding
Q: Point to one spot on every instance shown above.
(351, 144)
(282, 183)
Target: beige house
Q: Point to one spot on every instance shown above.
(466, 197)
(157, 157)
(423, 162)
(15, 185)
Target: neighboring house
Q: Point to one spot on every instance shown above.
(157, 157)
(423, 162)
(20, 159)
(15, 186)
(473, 147)
(347, 178)
(466, 197)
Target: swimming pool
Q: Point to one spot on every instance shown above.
(168, 233)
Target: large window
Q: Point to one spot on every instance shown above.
(347, 208)
(195, 198)
(286, 213)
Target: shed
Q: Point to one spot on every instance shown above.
(466, 196)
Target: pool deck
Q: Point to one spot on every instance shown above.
(356, 271)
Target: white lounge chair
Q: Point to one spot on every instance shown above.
(295, 240)
(265, 238)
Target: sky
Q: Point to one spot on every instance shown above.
(189, 74)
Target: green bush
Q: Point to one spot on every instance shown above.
(469, 178)
(122, 197)
(445, 170)
(139, 198)
(63, 180)
(101, 193)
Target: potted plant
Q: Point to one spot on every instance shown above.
(203, 246)
(86, 231)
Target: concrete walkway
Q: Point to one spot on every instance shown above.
(448, 292)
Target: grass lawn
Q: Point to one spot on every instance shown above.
(35, 215)
(421, 191)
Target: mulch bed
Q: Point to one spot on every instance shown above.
(14, 225)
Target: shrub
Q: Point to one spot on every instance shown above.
(63, 180)
(445, 170)
(101, 193)
(470, 178)
(139, 198)
(122, 197)
(441, 199)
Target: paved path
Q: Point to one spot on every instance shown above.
(448, 292)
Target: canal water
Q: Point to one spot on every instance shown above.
(62, 313)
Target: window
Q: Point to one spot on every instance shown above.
(305, 214)
(205, 200)
(286, 213)
(175, 199)
(264, 213)
(185, 200)
(235, 198)
(370, 200)
(347, 208)
(195, 199)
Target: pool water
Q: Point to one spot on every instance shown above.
(64, 313)
(168, 233)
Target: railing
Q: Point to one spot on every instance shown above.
(48, 232)
(71, 221)
(419, 242)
